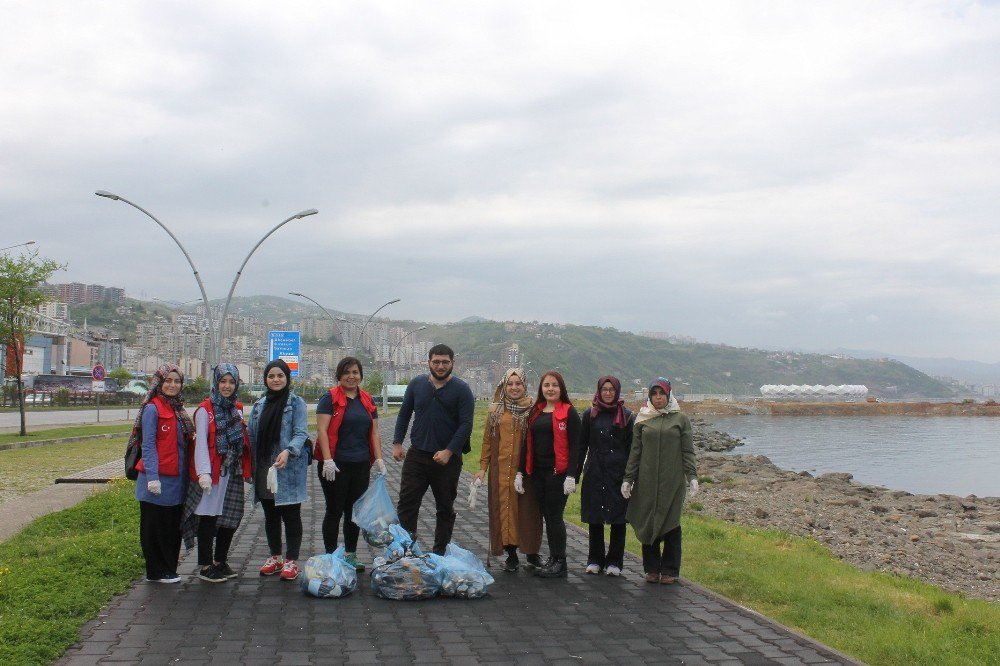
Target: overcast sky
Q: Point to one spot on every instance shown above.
(771, 174)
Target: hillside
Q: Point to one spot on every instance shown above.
(583, 353)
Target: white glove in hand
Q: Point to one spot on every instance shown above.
(626, 490)
(272, 479)
(381, 466)
(154, 487)
(205, 481)
(693, 487)
(569, 486)
(519, 483)
(330, 470)
(474, 492)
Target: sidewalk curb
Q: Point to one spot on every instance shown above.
(62, 440)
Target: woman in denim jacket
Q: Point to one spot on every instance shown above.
(278, 431)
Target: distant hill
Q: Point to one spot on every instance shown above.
(584, 353)
(975, 372)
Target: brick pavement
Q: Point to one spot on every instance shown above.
(524, 620)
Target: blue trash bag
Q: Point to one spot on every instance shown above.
(462, 574)
(409, 578)
(329, 576)
(373, 512)
(402, 544)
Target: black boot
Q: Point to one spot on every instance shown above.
(534, 563)
(555, 569)
(511, 563)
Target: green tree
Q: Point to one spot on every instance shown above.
(122, 376)
(196, 390)
(20, 278)
(374, 383)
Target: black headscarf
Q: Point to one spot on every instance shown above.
(269, 425)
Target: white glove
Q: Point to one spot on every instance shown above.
(519, 483)
(626, 490)
(154, 487)
(569, 486)
(330, 470)
(205, 481)
(381, 466)
(272, 479)
(474, 492)
(693, 487)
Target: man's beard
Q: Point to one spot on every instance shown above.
(441, 377)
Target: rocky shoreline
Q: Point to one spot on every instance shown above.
(952, 542)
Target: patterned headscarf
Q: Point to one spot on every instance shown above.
(228, 419)
(648, 411)
(518, 409)
(176, 403)
(617, 405)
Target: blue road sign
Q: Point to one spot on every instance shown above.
(286, 346)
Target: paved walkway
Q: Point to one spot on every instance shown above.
(524, 620)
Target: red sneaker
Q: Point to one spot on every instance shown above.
(290, 570)
(272, 565)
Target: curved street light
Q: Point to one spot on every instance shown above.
(392, 350)
(11, 247)
(215, 333)
(372, 316)
(348, 321)
(194, 269)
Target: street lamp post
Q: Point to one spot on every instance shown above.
(392, 351)
(348, 321)
(372, 316)
(194, 269)
(11, 247)
(215, 333)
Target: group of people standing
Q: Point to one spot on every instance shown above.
(636, 469)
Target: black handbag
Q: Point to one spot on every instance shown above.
(133, 454)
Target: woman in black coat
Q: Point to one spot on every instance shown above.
(605, 442)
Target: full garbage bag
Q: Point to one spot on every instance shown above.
(329, 576)
(409, 578)
(373, 512)
(461, 574)
(402, 544)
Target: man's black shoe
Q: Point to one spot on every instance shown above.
(534, 562)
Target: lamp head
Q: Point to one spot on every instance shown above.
(306, 213)
(105, 193)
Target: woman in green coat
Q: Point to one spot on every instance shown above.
(660, 468)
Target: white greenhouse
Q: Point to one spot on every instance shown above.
(814, 392)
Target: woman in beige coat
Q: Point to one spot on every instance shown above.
(515, 521)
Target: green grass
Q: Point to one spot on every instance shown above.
(879, 618)
(24, 471)
(35, 435)
(62, 569)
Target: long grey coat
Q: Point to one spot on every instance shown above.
(660, 465)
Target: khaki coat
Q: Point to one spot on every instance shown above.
(660, 465)
(515, 520)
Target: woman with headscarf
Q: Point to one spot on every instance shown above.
(605, 442)
(515, 521)
(549, 460)
(220, 464)
(660, 468)
(166, 433)
(278, 432)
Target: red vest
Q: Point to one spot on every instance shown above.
(213, 454)
(166, 439)
(339, 400)
(560, 437)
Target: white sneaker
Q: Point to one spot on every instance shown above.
(613, 571)
(593, 569)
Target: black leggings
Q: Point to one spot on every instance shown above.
(616, 548)
(207, 533)
(291, 516)
(663, 556)
(341, 494)
(548, 489)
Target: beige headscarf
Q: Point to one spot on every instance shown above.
(518, 409)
